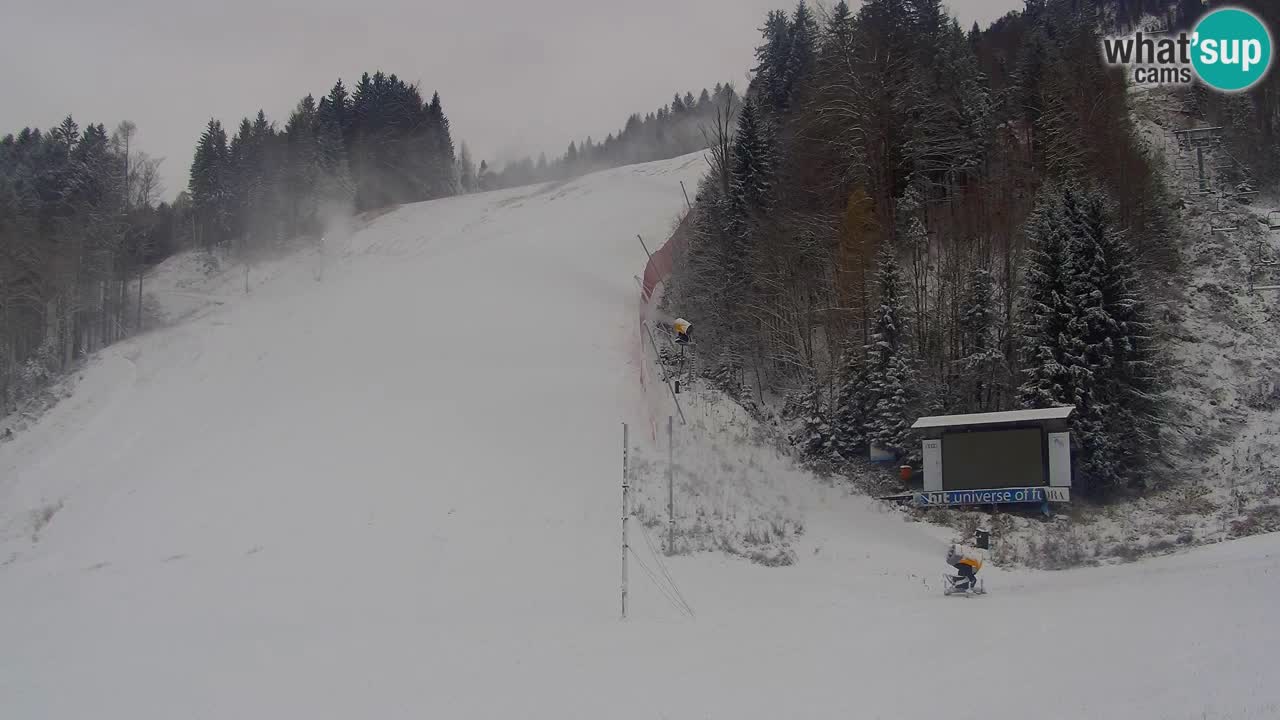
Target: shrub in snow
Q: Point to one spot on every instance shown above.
(209, 263)
(1192, 499)
(1061, 545)
(1257, 520)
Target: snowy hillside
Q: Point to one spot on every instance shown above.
(395, 492)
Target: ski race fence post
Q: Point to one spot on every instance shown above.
(661, 576)
(671, 487)
(626, 496)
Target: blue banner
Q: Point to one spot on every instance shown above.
(1000, 496)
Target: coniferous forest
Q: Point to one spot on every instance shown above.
(908, 218)
(81, 217)
(380, 144)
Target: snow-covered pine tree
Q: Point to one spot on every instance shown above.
(335, 189)
(208, 184)
(243, 178)
(752, 163)
(443, 163)
(891, 418)
(773, 58)
(301, 166)
(802, 51)
(339, 105)
(1085, 335)
(1048, 309)
(571, 158)
(1116, 416)
(838, 35)
(890, 372)
(849, 417)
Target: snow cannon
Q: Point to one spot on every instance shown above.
(682, 328)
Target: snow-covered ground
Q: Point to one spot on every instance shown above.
(395, 492)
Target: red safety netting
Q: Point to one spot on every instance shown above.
(659, 267)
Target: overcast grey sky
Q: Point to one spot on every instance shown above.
(516, 76)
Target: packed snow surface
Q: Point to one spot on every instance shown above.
(394, 492)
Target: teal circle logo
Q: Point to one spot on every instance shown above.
(1232, 49)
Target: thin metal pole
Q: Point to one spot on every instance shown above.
(626, 493)
(671, 487)
(686, 195)
(646, 247)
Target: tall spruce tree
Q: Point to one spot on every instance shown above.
(302, 166)
(753, 162)
(838, 38)
(751, 167)
(1048, 308)
(210, 192)
(1117, 410)
(443, 162)
(852, 404)
(1086, 336)
(773, 60)
(802, 52)
(890, 371)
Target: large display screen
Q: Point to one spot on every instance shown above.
(993, 459)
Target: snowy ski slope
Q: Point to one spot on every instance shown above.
(394, 493)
